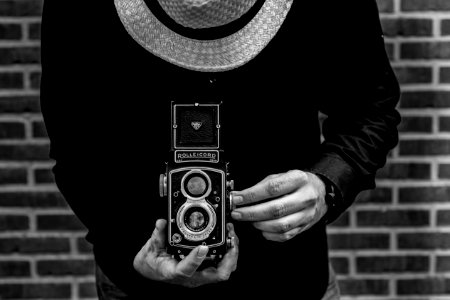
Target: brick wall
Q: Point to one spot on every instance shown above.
(394, 243)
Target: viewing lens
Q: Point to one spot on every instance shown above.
(196, 186)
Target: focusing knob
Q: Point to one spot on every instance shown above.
(230, 185)
(162, 185)
(230, 201)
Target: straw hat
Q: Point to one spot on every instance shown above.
(200, 54)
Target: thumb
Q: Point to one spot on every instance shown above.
(158, 240)
(190, 263)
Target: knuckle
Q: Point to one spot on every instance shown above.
(278, 210)
(168, 276)
(224, 276)
(285, 237)
(250, 196)
(274, 187)
(284, 227)
(298, 175)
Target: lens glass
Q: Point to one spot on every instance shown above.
(196, 219)
(196, 186)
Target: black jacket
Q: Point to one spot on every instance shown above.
(105, 102)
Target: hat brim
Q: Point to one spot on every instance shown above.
(215, 55)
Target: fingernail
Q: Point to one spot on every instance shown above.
(236, 215)
(238, 200)
(202, 251)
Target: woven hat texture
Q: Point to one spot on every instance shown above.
(205, 13)
(216, 55)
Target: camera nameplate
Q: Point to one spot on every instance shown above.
(211, 156)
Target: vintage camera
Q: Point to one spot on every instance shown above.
(196, 182)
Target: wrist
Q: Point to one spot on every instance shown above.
(332, 199)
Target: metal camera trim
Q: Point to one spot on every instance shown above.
(203, 196)
(192, 235)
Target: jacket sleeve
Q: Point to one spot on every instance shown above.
(361, 124)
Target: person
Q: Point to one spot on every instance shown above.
(109, 73)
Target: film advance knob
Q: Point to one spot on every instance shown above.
(162, 185)
(230, 185)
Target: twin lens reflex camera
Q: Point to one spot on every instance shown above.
(196, 182)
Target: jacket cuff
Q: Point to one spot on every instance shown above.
(333, 170)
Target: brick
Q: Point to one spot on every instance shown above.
(44, 176)
(14, 269)
(425, 240)
(339, 241)
(439, 194)
(13, 176)
(444, 171)
(34, 245)
(59, 223)
(425, 99)
(26, 152)
(34, 31)
(39, 130)
(424, 147)
(443, 264)
(342, 221)
(11, 80)
(425, 286)
(84, 246)
(13, 222)
(392, 264)
(11, 8)
(393, 218)
(32, 199)
(12, 130)
(375, 196)
(428, 5)
(443, 218)
(77, 267)
(10, 32)
(35, 290)
(407, 27)
(355, 287)
(413, 75)
(444, 75)
(405, 171)
(385, 6)
(340, 265)
(20, 104)
(35, 80)
(445, 27)
(416, 124)
(19, 55)
(425, 50)
(444, 124)
(87, 290)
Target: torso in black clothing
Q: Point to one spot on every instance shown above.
(116, 126)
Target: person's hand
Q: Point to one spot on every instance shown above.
(155, 263)
(282, 205)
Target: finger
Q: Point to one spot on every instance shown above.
(187, 266)
(158, 240)
(271, 188)
(285, 224)
(274, 209)
(283, 237)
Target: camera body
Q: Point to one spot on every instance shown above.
(196, 182)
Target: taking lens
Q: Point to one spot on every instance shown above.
(196, 219)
